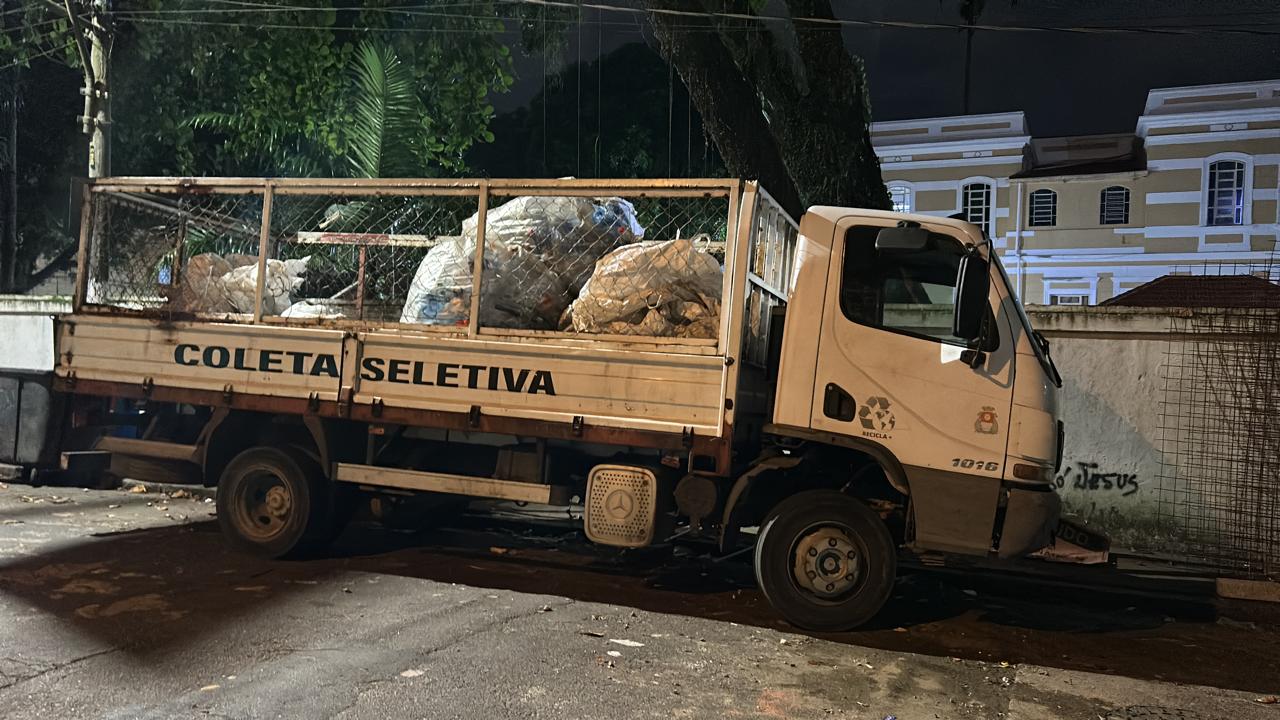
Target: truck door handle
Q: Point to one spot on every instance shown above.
(837, 404)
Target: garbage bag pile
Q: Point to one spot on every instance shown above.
(569, 263)
(663, 289)
(213, 283)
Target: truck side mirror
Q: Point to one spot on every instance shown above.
(972, 285)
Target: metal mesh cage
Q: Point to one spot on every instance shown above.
(151, 251)
(604, 258)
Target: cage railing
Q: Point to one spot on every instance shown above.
(629, 260)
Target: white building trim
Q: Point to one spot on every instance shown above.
(1203, 117)
(954, 162)
(1173, 198)
(1204, 137)
(1198, 231)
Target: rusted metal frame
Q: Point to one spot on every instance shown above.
(384, 414)
(82, 252)
(477, 261)
(220, 223)
(609, 191)
(564, 335)
(179, 186)
(320, 237)
(732, 248)
(357, 325)
(179, 248)
(360, 268)
(499, 186)
(161, 315)
(401, 190)
(264, 239)
(733, 307)
(519, 185)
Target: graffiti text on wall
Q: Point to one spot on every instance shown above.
(1085, 476)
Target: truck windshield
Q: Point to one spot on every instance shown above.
(1038, 343)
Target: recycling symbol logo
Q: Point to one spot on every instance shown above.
(876, 415)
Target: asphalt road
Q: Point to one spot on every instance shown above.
(121, 605)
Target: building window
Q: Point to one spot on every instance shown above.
(1044, 208)
(975, 199)
(900, 197)
(1068, 299)
(1113, 209)
(1226, 193)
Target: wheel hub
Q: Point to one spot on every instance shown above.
(826, 562)
(278, 502)
(264, 505)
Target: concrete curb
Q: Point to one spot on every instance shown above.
(198, 492)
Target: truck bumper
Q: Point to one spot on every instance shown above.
(1030, 520)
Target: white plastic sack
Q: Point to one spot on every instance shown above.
(671, 279)
(283, 278)
(568, 234)
(519, 290)
(316, 309)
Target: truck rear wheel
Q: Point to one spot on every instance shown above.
(274, 502)
(825, 561)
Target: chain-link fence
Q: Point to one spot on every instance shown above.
(615, 259)
(154, 251)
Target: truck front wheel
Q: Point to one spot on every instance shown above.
(825, 561)
(273, 502)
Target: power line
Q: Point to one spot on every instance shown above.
(904, 24)
(38, 56)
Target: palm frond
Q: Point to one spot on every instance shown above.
(386, 112)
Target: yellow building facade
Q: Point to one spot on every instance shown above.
(1078, 220)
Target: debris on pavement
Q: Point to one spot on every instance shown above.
(591, 633)
(411, 673)
(1268, 699)
(138, 489)
(626, 643)
(613, 653)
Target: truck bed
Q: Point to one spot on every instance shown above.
(128, 336)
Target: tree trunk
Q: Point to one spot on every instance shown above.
(9, 231)
(794, 115)
(729, 106)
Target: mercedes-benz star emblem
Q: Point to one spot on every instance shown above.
(619, 504)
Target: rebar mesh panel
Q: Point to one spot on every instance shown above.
(153, 251)
(1219, 491)
(649, 266)
(356, 257)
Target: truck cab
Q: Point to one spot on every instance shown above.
(904, 341)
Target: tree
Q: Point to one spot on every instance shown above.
(624, 131)
(35, 53)
(271, 94)
(784, 101)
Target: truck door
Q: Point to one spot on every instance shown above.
(889, 371)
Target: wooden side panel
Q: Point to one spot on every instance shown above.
(620, 388)
(253, 359)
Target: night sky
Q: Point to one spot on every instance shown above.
(1068, 84)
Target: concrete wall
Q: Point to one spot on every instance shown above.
(1114, 364)
(26, 331)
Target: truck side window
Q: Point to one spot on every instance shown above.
(912, 293)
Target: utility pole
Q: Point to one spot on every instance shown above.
(93, 41)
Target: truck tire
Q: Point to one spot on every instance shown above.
(274, 502)
(825, 561)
